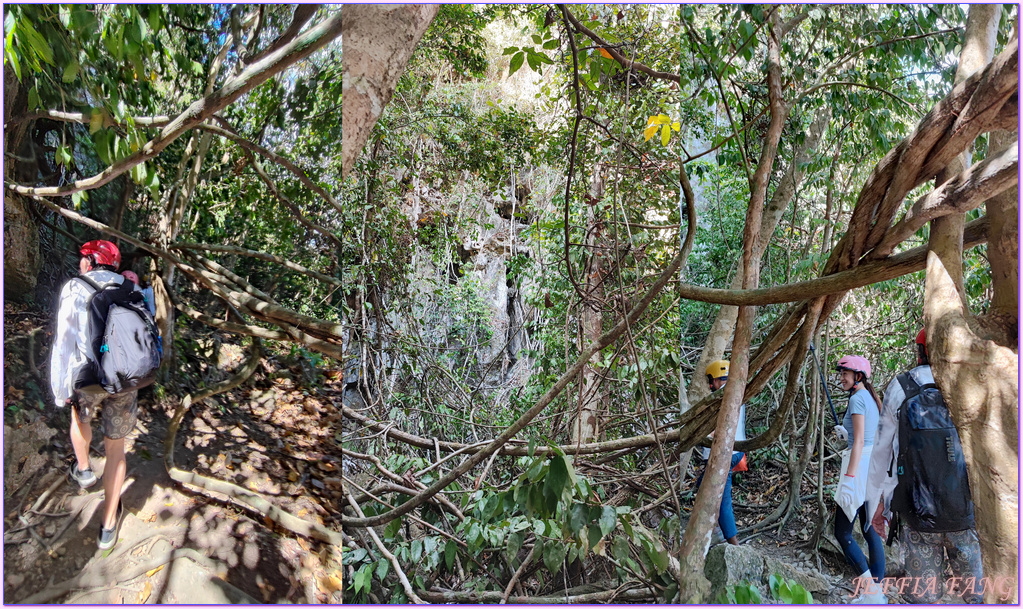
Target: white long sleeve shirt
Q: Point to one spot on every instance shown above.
(71, 339)
(883, 476)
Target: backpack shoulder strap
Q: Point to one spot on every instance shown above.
(909, 386)
(90, 282)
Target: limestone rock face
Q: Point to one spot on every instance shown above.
(21, 250)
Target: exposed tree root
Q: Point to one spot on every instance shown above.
(240, 495)
(493, 596)
(99, 576)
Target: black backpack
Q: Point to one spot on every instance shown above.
(126, 347)
(933, 494)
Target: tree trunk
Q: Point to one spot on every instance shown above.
(378, 41)
(976, 359)
(586, 422)
(724, 323)
(693, 586)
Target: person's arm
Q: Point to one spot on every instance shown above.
(857, 447)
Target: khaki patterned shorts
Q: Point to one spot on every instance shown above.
(120, 412)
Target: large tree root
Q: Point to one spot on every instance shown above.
(236, 493)
(493, 596)
(98, 576)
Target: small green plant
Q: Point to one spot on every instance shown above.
(787, 592)
(743, 594)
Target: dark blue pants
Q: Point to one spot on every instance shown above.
(726, 516)
(853, 553)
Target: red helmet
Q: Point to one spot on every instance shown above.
(102, 252)
(921, 339)
(854, 363)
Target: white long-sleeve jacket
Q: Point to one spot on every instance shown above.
(71, 339)
(883, 476)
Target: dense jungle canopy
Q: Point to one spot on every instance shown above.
(204, 140)
(553, 217)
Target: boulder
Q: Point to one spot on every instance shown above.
(729, 565)
(811, 579)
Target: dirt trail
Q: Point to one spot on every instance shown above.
(175, 545)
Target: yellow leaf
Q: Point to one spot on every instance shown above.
(150, 572)
(146, 591)
(604, 53)
(676, 126)
(650, 121)
(663, 119)
(649, 132)
(332, 582)
(665, 135)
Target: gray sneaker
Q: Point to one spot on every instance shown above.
(108, 537)
(85, 478)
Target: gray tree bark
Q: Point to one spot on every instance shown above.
(377, 43)
(693, 586)
(976, 358)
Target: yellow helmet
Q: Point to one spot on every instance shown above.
(717, 370)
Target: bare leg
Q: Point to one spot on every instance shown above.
(81, 437)
(113, 478)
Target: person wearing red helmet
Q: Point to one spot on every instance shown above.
(69, 372)
(861, 417)
(947, 531)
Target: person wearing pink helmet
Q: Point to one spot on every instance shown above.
(70, 367)
(861, 417)
(147, 293)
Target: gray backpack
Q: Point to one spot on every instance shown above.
(126, 346)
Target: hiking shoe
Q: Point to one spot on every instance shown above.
(84, 477)
(108, 537)
(870, 599)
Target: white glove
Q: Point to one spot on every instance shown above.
(841, 434)
(846, 494)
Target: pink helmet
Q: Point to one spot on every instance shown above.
(854, 363)
(131, 275)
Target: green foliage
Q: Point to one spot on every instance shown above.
(742, 594)
(786, 592)
(457, 145)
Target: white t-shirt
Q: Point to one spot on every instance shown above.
(740, 433)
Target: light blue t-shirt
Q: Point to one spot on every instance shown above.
(863, 403)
